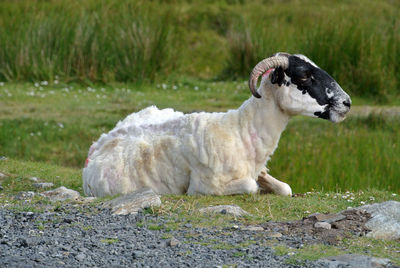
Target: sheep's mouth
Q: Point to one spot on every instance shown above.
(337, 115)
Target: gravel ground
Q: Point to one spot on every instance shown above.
(80, 235)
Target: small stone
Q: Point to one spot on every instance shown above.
(253, 228)
(235, 227)
(136, 254)
(69, 221)
(134, 202)
(3, 158)
(80, 257)
(34, 179)
(225, 209)
(173, 242)
(188, 225)
(273, 234)
(323, 225)
(25, 195)
(43, 185)
(89, 199)
(60, 194)
(2, 175)
(329, 218)
(23, 243)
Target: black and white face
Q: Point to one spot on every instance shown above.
(308, 90)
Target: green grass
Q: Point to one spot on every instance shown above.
(140, 41)
(360, 245)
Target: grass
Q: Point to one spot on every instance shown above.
(361, 245)
(155, 40)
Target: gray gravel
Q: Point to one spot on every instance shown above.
(81, 236)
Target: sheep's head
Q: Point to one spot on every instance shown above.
(303, 87)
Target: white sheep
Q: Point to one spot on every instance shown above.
(214, 153)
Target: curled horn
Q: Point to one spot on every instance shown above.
(278, 60)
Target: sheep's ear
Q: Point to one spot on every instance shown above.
(278, 76)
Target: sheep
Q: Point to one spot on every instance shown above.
(214, 153)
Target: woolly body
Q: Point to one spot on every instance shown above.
(198, 153)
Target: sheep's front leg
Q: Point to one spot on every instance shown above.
(269, 184)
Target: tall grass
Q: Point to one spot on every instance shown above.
(358, 42)
(84, 41)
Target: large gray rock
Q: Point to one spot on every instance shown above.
(60, 194)
(225, 209)
(133, 202)
(354, 261)
(385, 221)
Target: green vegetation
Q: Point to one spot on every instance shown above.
(109, 241)
(138, 41)
(361, 245)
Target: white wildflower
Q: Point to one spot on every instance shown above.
(60, 125)
(394, 194)
(362, 202)
(36, 84)
(1, 84)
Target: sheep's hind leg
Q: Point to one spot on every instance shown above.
(269, 184)
(241, 186)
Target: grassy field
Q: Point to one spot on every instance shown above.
(355, 41)
(70, 70)
(57, 124)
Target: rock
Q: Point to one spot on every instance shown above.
(322, 224)
(173, 242)
(253, 228)
(133, 202)
(385, 220)
(42, 185)
(273, 234)
(354, 261)
(60, 194)
(329, 218)
(3, 158)
(80, 257)
(3, 175)
(25, 195)
(225, 209)
(136, 254)
(89, 199)
(1, 188)
(34, 179)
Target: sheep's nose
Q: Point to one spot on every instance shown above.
(347, 103)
